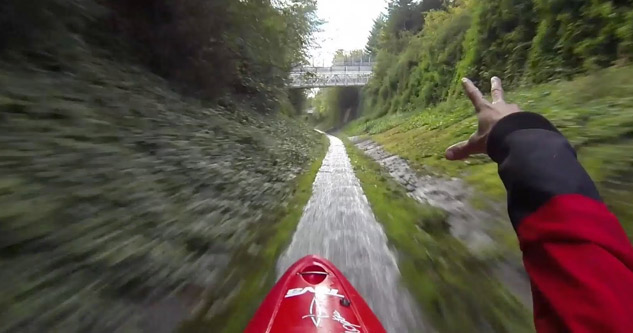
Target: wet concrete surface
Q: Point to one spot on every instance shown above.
(471, 226)
(338, 224)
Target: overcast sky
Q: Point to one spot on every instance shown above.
(347, 26)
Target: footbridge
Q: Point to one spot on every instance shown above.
(333, 76)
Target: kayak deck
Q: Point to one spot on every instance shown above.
(314, 296)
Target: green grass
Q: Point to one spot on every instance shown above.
(456, 290)
(253, 273)
(595, 112)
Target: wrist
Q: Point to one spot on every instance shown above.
(510, 124)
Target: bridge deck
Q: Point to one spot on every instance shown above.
(334, 76)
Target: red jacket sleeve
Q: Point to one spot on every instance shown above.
(577, 256)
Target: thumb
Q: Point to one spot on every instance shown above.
(458, 151)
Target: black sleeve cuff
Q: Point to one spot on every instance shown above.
(536, 164)
(510, 124)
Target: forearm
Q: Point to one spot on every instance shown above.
(579, 259)
(536, 164)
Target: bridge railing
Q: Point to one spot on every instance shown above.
(359, 68)
(333, 76)
(333, 80)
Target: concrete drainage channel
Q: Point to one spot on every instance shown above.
(338, 224)
(469, 225)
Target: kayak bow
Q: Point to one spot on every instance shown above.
(314, 296)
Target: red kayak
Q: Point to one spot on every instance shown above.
(314, 296)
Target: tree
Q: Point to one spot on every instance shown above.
(221, 46)
(407, 16)
(374, 37)
(394, 58)
(298, 100)
(578, 35)
(498, 41)
(349, 58)
(423, 48)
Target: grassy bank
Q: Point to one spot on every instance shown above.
(253, 273)
(456, 290)
(595, 112)
(117, 192)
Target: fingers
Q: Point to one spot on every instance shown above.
(458, 151)
(497, 90)
(476, 97)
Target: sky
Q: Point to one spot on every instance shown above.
(347, 26)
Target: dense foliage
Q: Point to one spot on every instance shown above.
(116, 192)
(125, 203)
(423, 48)
(245, 46)
(208, 48)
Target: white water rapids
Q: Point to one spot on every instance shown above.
(339, 225)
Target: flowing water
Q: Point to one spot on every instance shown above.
(338, 224)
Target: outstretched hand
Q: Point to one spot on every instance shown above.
(488, 114)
